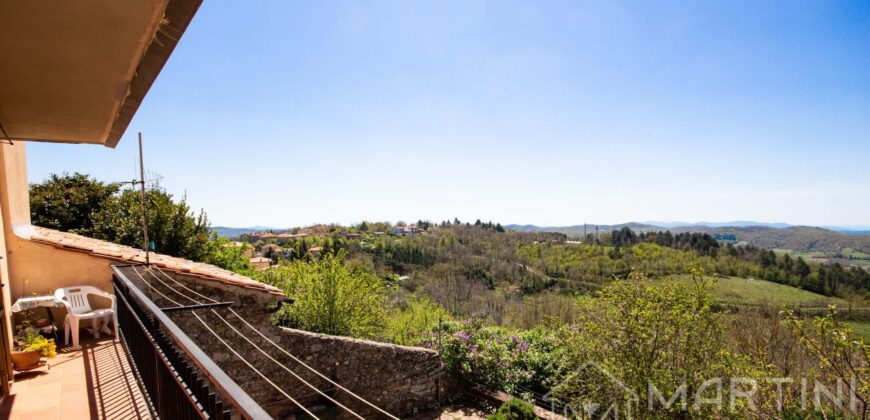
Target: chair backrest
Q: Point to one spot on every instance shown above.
(76, 298)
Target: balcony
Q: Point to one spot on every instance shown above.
(94, 381)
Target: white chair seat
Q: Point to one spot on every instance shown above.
(97, 313)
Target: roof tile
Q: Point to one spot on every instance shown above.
(128, 254)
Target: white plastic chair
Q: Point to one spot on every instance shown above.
(78, 308)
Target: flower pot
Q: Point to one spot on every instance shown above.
(25, 360)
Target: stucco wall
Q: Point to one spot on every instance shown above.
(27, 267)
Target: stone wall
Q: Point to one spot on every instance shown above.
(401, 380)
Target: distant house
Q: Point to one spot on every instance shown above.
(247, 250)
(315, 230)
(260, 263)
(314, 252)
(406, 230)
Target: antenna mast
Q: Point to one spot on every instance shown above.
(144, 209)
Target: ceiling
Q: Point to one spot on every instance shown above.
(75, 71)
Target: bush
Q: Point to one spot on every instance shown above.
(28, 338)
(329, 297)
(514, 409)
(45, 346)
(524, 363)
(645, 334)
(408, 325)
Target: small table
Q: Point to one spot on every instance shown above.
(47, 301)
(30, 302)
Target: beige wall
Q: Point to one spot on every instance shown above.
(7, 300)
(30, 267)
(37, 268)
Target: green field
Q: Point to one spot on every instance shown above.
(857, 255)
(862, 328)
(854, 258)
(740, 291)
(804, 254)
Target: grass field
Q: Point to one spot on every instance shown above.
(854, 258)
(851, 253)
(804, 254)
(862, 328)
(737, 291)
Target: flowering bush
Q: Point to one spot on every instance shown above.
(521, 362)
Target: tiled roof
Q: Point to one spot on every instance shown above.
(123, 253)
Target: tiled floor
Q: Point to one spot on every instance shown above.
(91, 382)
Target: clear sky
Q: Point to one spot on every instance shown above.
(286, 113)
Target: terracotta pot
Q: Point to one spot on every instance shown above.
(25, 359)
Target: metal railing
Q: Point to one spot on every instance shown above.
(170, 366)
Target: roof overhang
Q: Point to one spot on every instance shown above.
(75, 71)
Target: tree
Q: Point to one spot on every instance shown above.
(329, 297)
(842, 357)
(69, 202)
(172, 226)
(80, 204)
(643, 334)
(223, 253)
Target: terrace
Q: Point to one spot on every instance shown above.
(93, 381)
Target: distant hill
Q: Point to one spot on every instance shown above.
(576, 231)
(736, 223)
(769, 235)
(233, 232)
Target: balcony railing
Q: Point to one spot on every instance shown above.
(180, 380)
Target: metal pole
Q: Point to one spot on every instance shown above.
(144, 208)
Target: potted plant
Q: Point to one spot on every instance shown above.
(30, 347)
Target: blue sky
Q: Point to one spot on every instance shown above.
(290, 113)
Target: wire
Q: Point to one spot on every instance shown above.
(296, 359)
(259, 349)
(227, 345)
(230, 348)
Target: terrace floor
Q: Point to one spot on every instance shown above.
(91, 382)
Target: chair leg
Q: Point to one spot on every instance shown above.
(104, 324)
(74, 324)
(96, 323)
(66, 330)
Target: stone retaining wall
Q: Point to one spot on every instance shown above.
(402, 380)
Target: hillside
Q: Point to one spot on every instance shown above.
(795, 238)
(749, 291)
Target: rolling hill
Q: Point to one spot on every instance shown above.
(796, 238)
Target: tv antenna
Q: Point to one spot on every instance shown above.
(146, 244)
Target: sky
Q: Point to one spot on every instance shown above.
(289, 113)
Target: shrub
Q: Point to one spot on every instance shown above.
(519, 362)
(406, 326)
(514, 409)
(842, 356)
(44, 345)
(642, 333)
(28, 338)
(329, 297)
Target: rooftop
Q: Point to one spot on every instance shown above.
(122, 253)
